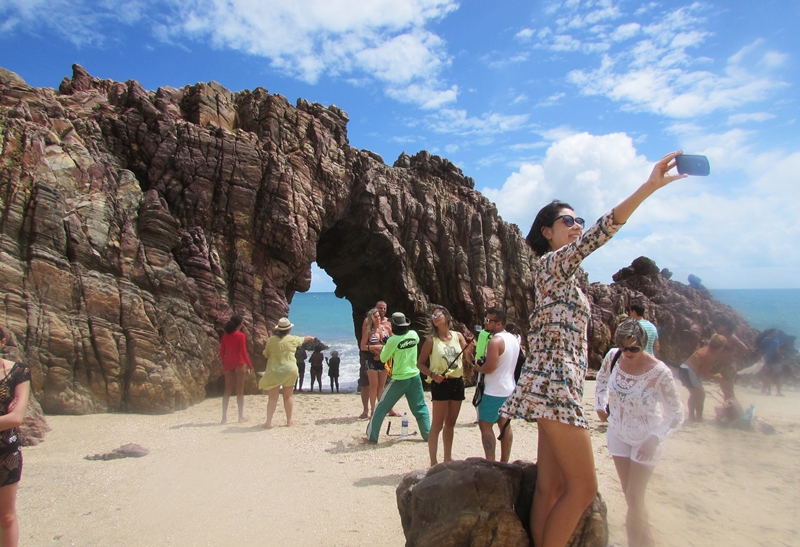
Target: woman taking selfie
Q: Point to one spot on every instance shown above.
(636, 395)
(550, 390)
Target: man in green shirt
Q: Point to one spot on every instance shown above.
(401, 347)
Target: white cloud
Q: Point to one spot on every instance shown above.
(524, 35)
(738, 119)
(696, 225)
(383, 40)
(552, 100)
(651, 63)
(457, 122)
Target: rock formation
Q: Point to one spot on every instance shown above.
(134, 223)
(477, 502)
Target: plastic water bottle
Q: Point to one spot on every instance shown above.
(404, 426)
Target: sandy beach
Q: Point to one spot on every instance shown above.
(317, 484)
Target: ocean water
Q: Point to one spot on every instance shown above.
(765, 308)
(330, 319)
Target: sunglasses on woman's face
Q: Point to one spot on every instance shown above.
(632, 349)
(437, 315)
(569, 221)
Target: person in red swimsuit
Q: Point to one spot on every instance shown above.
(236, 361)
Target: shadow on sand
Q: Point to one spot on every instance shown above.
(386, 480)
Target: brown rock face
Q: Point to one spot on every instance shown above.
(134, 223)
(477, 502)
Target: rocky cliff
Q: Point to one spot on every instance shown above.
(135, 222)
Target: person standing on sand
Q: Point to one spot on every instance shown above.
(333, 369)
(236, 363)
(636, 394)
(301, 356)
(502, 352)
(369, 359)
(550, 389)
(15, 388)
(637, 312)
(401, 347)
(441, 360)
(698, 368)
(726, 363)
(315, 361)
(281, 369)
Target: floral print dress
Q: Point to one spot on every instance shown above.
(551, 383)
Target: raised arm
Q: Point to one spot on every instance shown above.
(659, 178)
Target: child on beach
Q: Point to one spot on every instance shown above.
(333, 369)
(636, 394)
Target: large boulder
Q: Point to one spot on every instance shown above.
(475, 502)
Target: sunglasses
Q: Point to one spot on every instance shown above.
(569, 221)
(487, 320)
(437, 315)
(632, 349)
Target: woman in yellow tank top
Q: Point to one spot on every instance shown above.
(441, 360)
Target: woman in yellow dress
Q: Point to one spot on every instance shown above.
(281, 369)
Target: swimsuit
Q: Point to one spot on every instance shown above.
(10, 454)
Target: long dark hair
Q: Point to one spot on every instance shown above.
(545, 218)
(233, 324)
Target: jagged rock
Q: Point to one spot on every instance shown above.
(685, 315)
(34, 425)
(477, 502)
(128, 450)
(134, 223)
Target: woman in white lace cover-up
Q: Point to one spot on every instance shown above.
(643, 407)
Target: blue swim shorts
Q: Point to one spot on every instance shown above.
(489, 407)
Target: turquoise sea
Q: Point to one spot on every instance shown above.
(330, 319)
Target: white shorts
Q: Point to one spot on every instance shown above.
(621, 449)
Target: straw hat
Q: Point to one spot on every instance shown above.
(283, 324)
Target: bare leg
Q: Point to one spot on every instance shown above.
(569, 459)
(240, 371)
(437, 422)
(365, 401)
(506, 441)
(272, 404)
(453, 409)
(288, 404)
(8, 516)
(226, 396)
(487, 440)
(373, 389)
(637, 522)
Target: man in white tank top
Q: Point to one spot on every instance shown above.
(498, 369)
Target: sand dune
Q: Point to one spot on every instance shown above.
(317, 484)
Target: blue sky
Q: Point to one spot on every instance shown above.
(535, 100)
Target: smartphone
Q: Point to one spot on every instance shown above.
(693, 165)
(478, 328)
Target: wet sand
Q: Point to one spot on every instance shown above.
(317, 484)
